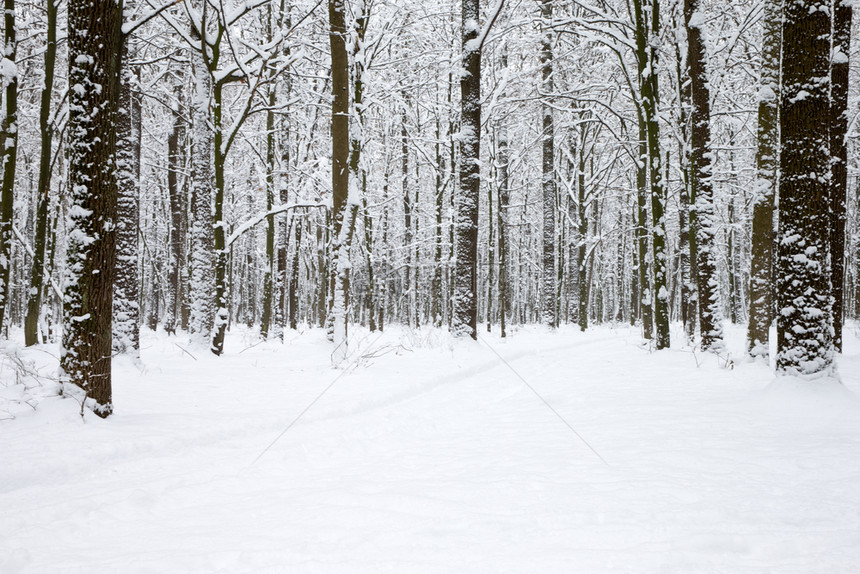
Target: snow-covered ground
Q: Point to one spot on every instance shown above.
(428, 455)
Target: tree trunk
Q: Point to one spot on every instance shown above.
(271, 270)
(9, 153)
(437, 259)
(220, 303)
(765, 187)
(701, 163)
(687, 279)
(37, 273)
(646, 297)
(465, 317)
(650, 106)
(283, 182)
(126, 308)
(342, 215)
(842, 12)
(548, 295)
(804, 339)
(94, 61)
(504, 202)
(407, 313)
(202, 281)
(581, 235)
(176, 257)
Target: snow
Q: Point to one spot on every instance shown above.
(430, 454)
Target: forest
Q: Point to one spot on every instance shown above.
(191, 166)
(413, 286)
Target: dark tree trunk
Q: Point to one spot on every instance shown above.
(9, 152)
(646, 296)
(804, 339)
(548, 296)
(344, 211)
(685, 241)
(94, 60)
(761, 266)
(700, 181)
(504, 202)
(176, 257)
(465, 318)
(842, 12)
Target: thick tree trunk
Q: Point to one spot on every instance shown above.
(765, 187)
(202, 281)
(804, 336)
(701, 162)
(126, 308)
(220, 304)
(342, 215)
(649, 89)
(94, 64)
(465, 317)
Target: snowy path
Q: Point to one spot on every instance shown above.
(438, 460)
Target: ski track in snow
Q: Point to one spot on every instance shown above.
(438, 459)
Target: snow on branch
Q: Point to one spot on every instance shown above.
(260, 218)
(130, 27)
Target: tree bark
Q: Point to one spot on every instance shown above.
(842, 12)
(646, 297)
(37, 273)
(765, 188)
(804, 336)
(176, 257)
(126, 308)
(9, 153)
(548, 295)
(701, 165)
(465, 316)
(342, 214)
(94, 66)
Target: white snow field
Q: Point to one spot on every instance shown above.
(430, 455)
